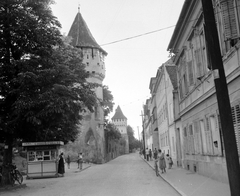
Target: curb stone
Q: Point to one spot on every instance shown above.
(14, 187)
(82, 169)
(175, 188)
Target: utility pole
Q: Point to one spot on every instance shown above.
(138, 133)
(213, 49)
(143, 135)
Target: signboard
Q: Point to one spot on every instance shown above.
(42, 143)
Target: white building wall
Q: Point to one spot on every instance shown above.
(162, 116)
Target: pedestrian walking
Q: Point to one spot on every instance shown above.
(80, 160)
(162, 162)
(150, 154)
(155, 158)
(68, 161)
(144, 153)
(169, 161)
(61, 169)
(147, 154)
(155, 153)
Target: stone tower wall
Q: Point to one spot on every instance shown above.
(121, 125)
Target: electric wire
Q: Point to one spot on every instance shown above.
(155, 31)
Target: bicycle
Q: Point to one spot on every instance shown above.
(14, 174)
(156, 167)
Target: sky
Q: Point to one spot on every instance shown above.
(141, 30)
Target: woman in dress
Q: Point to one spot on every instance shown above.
(162, 162)
(61, 169)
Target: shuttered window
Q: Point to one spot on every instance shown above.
(229, 19)
(186, 90)
(182, 74)
(215, 135)
(208, 135)
(191, 140)
(203, 137)
(221, 134)
(198, 58)
(190, 73)
(236, 123)
(197, 138)
(185, 139)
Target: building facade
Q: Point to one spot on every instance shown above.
(159, 115)
(198, 124)
(91, 131)
(153, 111)
(120, 121)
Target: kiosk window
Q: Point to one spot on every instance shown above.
(53, 155)
(39, 155)
(46, 155)
(31, 156)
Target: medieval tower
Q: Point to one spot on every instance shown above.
(91, 138)
(120, 121)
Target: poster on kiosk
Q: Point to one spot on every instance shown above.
(42, 158)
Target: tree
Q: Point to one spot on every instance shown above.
(43, 87)
(107, 102)
(50, 108)
(111, 135)
(133, 142)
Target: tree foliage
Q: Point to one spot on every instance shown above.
(43, 87)
(107, 102)
(133, 142)
(112, 132)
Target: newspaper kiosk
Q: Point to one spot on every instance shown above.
(42, 158)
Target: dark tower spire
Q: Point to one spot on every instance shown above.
(119, 114)
(81, 35)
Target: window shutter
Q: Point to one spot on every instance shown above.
(180, 89)
(220, 131)
(185, 85)
(197, 138)
(190, 73)
(229, 19)
(199, 63)
(185, 140)
(236, 123)
(208, 137)
(191, 139)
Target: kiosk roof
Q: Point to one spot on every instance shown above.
(60, 143)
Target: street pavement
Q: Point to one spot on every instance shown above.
(188, 183)
(127, 175)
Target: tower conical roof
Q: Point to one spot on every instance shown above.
(119, 114)
(81, 35)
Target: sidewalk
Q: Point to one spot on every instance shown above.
(191, 184)
(74, 169)
(28, 182)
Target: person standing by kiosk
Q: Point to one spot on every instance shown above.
(61, 169)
